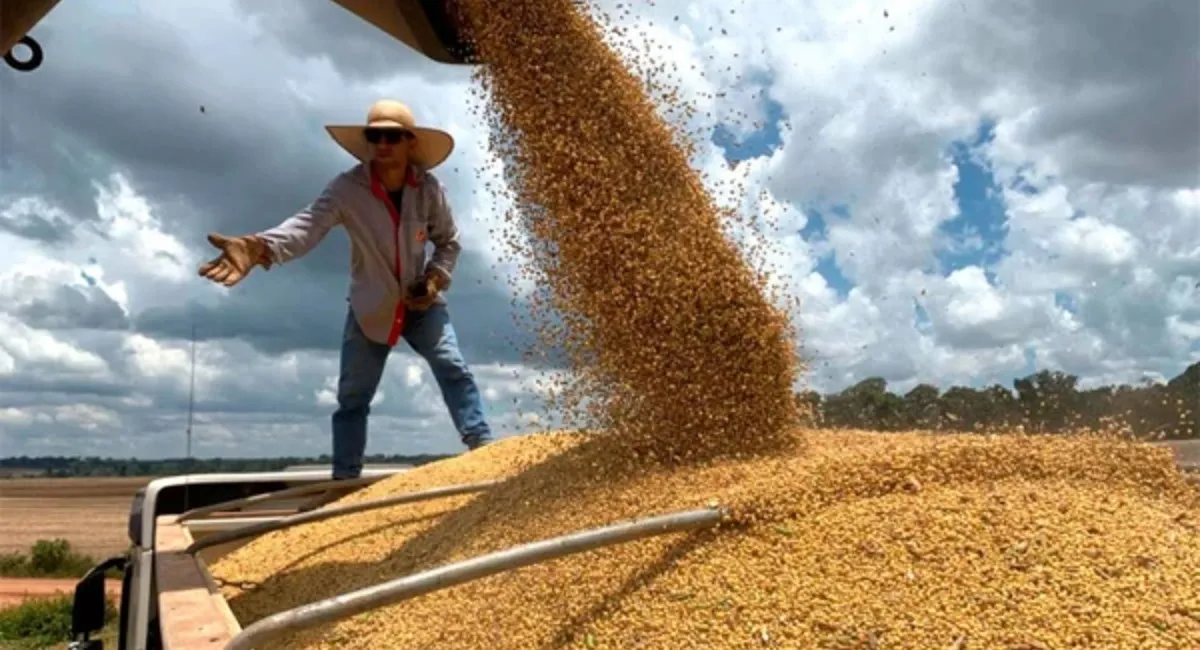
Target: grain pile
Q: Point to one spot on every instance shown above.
(863, 541)
(673, 342)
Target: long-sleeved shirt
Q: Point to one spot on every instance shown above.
(387, 242)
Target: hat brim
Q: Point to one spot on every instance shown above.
(433, 146)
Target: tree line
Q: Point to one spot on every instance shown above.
(1044, 402)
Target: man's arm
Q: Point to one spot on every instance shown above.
(444, 234)
(301, 232)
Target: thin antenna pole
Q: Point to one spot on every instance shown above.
(191, 396)
(191, 412)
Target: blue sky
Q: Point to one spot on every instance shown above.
(981, 210)
(764, 142)
(976, 235)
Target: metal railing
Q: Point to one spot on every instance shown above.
(279, 495)
(388, 593)
(253, 530)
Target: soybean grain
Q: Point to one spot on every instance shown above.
(912, 540)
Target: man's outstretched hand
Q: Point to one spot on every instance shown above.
(238, 256)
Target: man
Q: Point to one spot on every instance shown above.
(390, 205)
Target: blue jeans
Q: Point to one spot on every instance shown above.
(430, 335)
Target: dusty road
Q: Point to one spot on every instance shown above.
(15, 590)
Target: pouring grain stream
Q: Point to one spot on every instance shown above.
(674, 345)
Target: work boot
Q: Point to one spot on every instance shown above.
(476, 441)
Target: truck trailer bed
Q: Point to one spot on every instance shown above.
(189, 612)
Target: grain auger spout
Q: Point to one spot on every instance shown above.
(431, 27)
(17, 19)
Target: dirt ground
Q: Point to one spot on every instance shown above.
(62, 488)
(90, 513)
(15, 590)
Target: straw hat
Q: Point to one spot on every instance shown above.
(432, 146)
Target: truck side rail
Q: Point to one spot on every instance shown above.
(387, 593)
(266, 497)
(193, 614)
(253, 530)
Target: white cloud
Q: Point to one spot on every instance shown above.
(33, 351)
(128, 221)
(15, 416)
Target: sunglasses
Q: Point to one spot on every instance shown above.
(390, 136)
